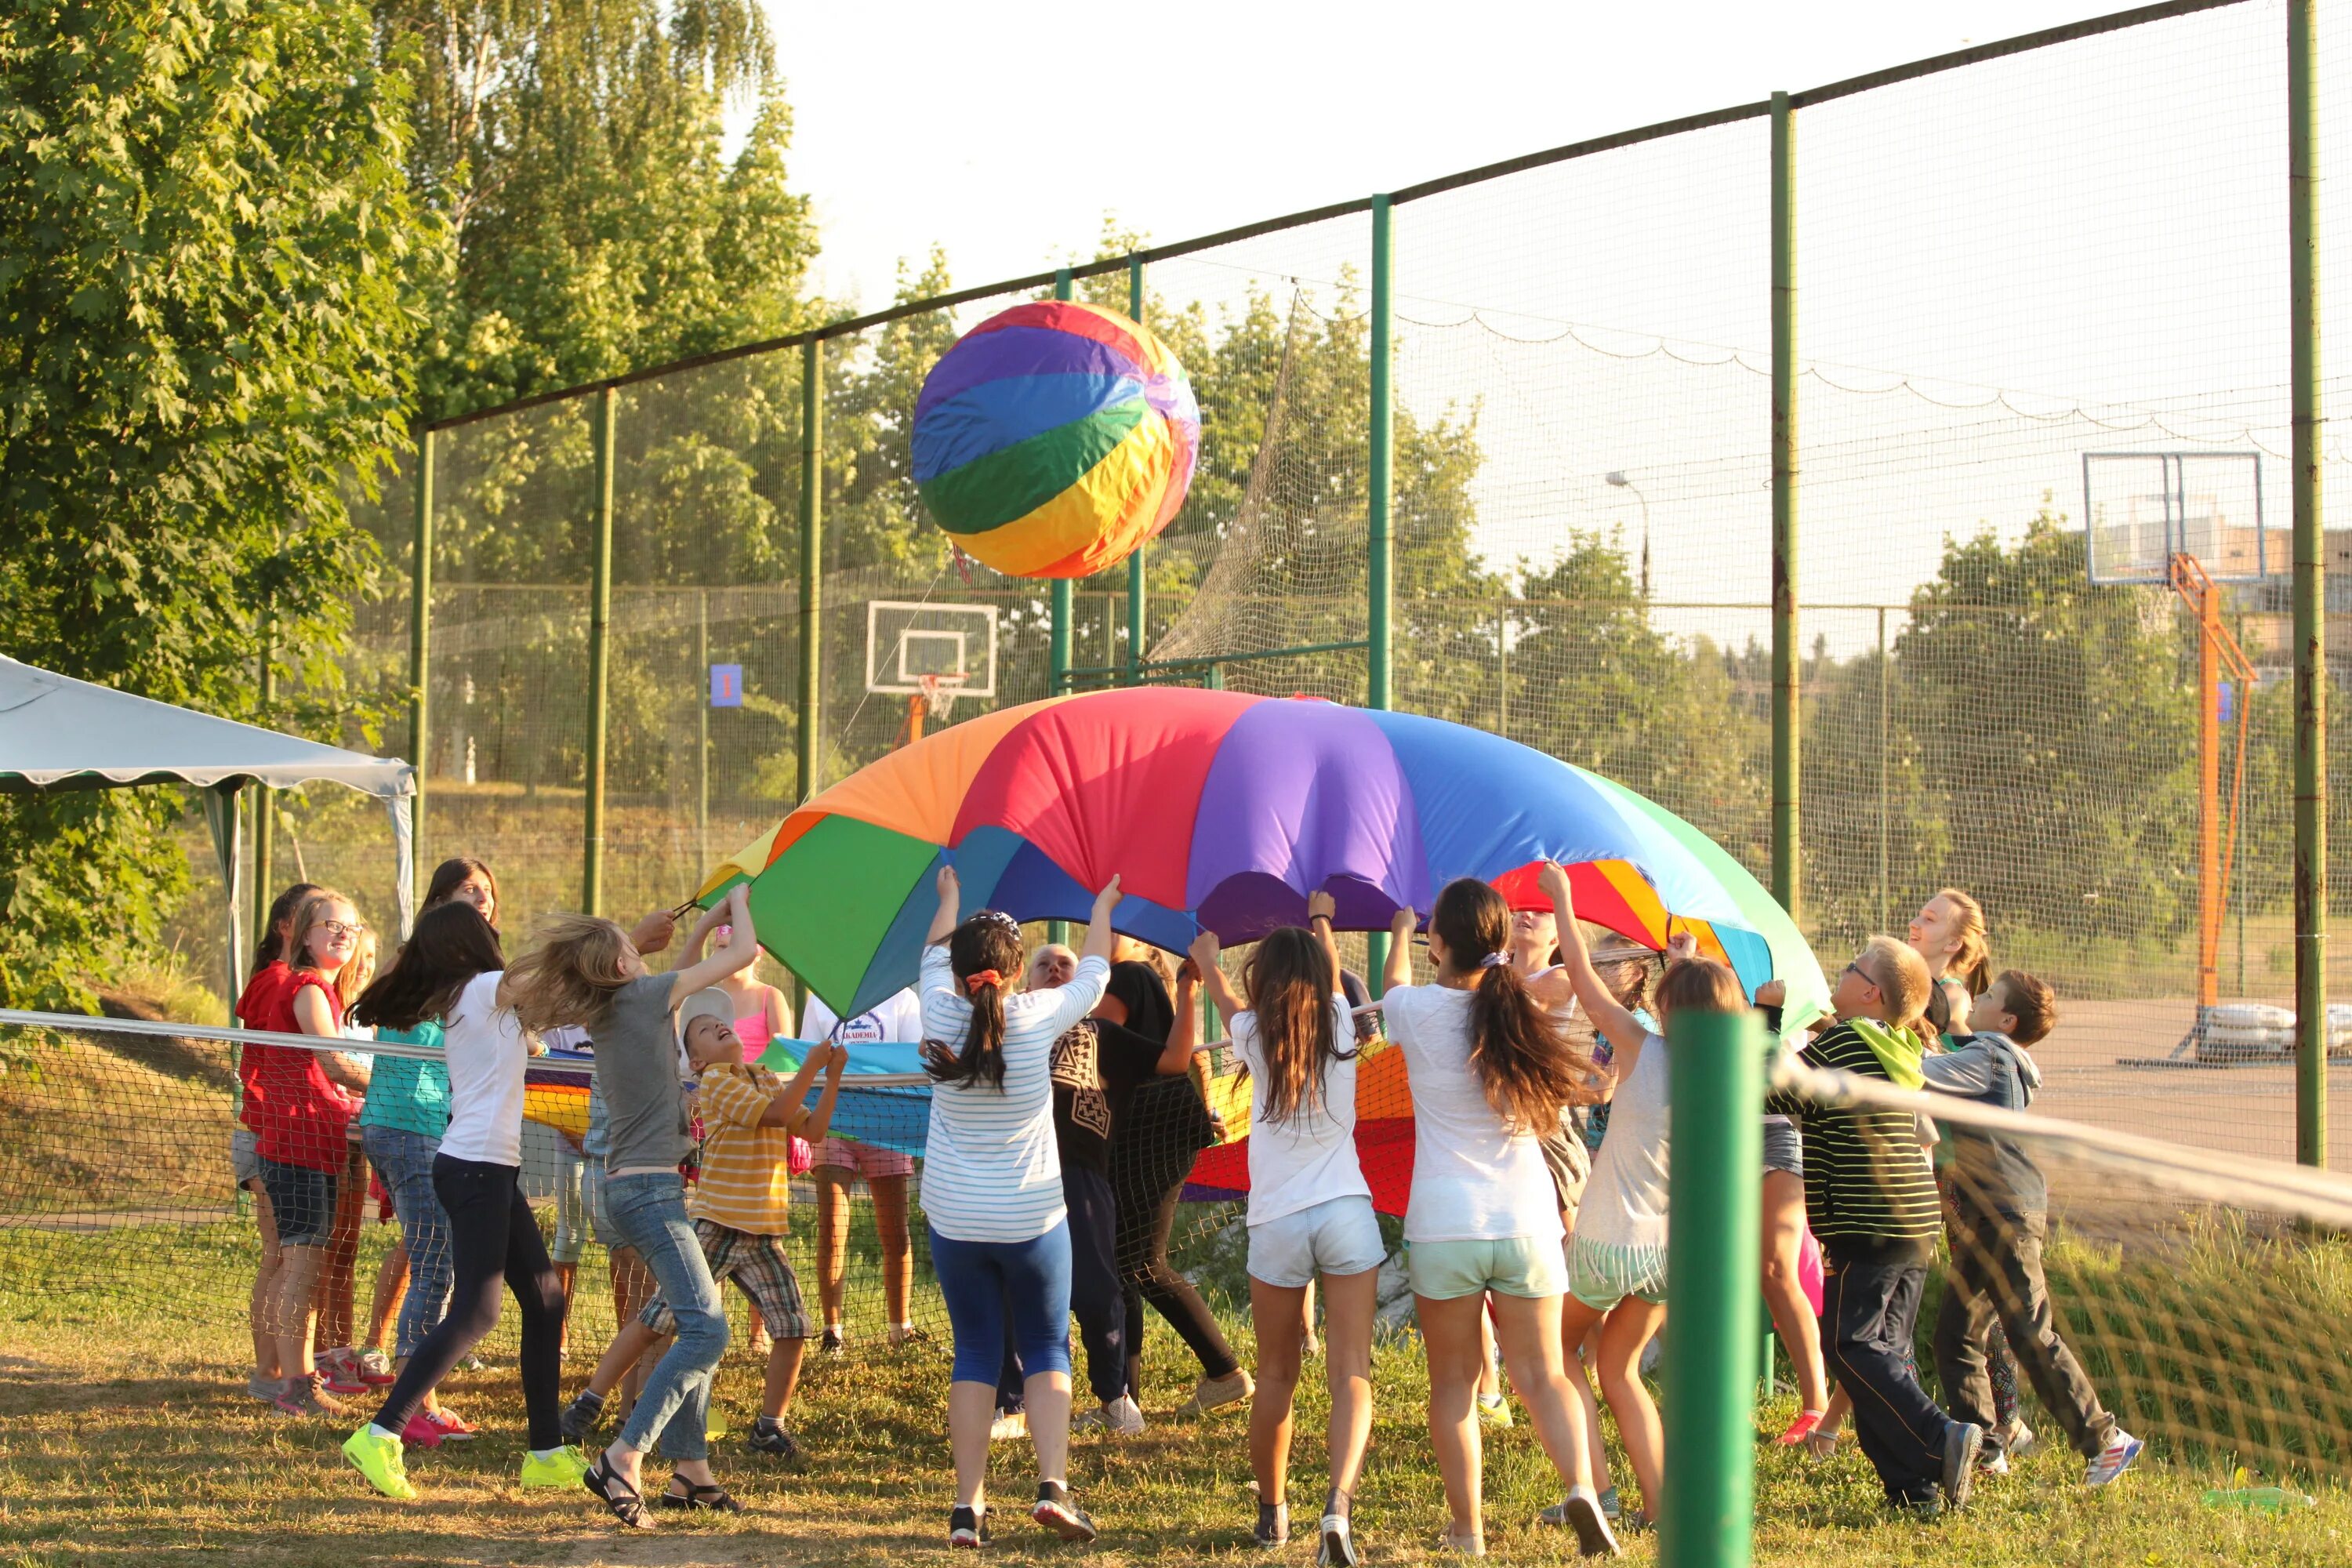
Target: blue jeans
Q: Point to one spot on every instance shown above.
(649, 1212)
(570, 1207)
(1005, 1295)
(404, 1162)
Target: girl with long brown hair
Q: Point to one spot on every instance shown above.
(1310, 1209)
(1490, 1067)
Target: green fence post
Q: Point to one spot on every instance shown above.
(1059, 653)
(2310, 608)
(1379, 548)
(1715, 1087)
(811, 717)
(1784, 508)
(1135, 562)
(600, 631)
(420, 637)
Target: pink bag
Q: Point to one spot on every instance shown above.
(802, 1160)
(1808, 1268)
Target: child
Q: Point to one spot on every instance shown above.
(1996, 1223)
(1949, 934)
(253, 1006)
(588, 971)
(494, 1240)
(742, 1209)
(1490, 1068)
(1870, 1197)
(1617, 1260)
(1310, 1209)
(300, 1103)
(342, 1369)
(839, 1162)
(993, 1193)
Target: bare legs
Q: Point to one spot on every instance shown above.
(265, 1364)
(1280, 1316)
(1625, 1330)
(1529, 1329)
(972, 1408)
(890, 1194)
(292, 1307)
(1784, 1295)
(390, 1286)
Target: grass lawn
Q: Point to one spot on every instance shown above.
(125, 1436)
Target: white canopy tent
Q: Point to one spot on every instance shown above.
(59, 733)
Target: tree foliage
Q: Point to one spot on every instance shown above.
(206, 246)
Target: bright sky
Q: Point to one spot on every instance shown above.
(2098, 227)
(1007, 135)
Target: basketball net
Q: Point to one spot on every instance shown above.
(938, 695)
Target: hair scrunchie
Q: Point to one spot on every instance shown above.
(1493, 961)
(973, 981)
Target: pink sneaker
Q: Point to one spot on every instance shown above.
(420, 1432)
(453, 1427)
(339, 1372)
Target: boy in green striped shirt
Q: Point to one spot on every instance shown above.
(1870, 1197)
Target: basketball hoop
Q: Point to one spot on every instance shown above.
(938, 693)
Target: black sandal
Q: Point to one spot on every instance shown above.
(710, 1499)
(627, 1503)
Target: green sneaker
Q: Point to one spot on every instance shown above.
(379, 1460)
(564, 1468)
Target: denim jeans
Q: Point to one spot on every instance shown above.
(649, 1212)
(405, 1161)
(571, 1205)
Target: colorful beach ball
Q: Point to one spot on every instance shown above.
(1053, 438)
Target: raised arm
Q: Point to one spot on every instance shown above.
(742, 950)
(1184, 1034)
(943, 923)
(1203, 953)
(1399, 969)
(820, 1121)
(1321, 908)
(1617, 1025)
(1100, 939)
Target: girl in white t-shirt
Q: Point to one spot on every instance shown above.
(1490, 1067)
(1310, 1209)
(1617, 1262)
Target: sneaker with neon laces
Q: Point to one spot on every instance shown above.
(1493, 1410)
(1056, 1512)
(453, 1427)
(378, 1457)
(2113, 1459)
(564, 1467)
(305, 1396)
(375, 1368)
(420, 1432)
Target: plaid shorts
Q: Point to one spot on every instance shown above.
(757, 1264)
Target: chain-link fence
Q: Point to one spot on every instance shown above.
(2002, 262)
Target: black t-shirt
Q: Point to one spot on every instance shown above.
(1096, 1069)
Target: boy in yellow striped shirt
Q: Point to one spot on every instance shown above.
(742, 1203)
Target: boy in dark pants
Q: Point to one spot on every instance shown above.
(1869, 1198)
(1997, 1223)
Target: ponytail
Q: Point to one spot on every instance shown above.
(1524, 1061)
(1971, 961)
(1289, 982)
(981, 951)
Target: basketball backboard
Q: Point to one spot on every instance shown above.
(905, 642)
(2141, 509)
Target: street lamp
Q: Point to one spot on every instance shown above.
(1617, 477)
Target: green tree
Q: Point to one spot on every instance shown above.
(206, 243)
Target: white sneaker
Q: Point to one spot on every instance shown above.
(1991, 1461)
(2114, 1460)
(1122, 1417)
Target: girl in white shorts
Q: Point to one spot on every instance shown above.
(1617, 1260)
(1490, 1067)
(1310, 1210)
